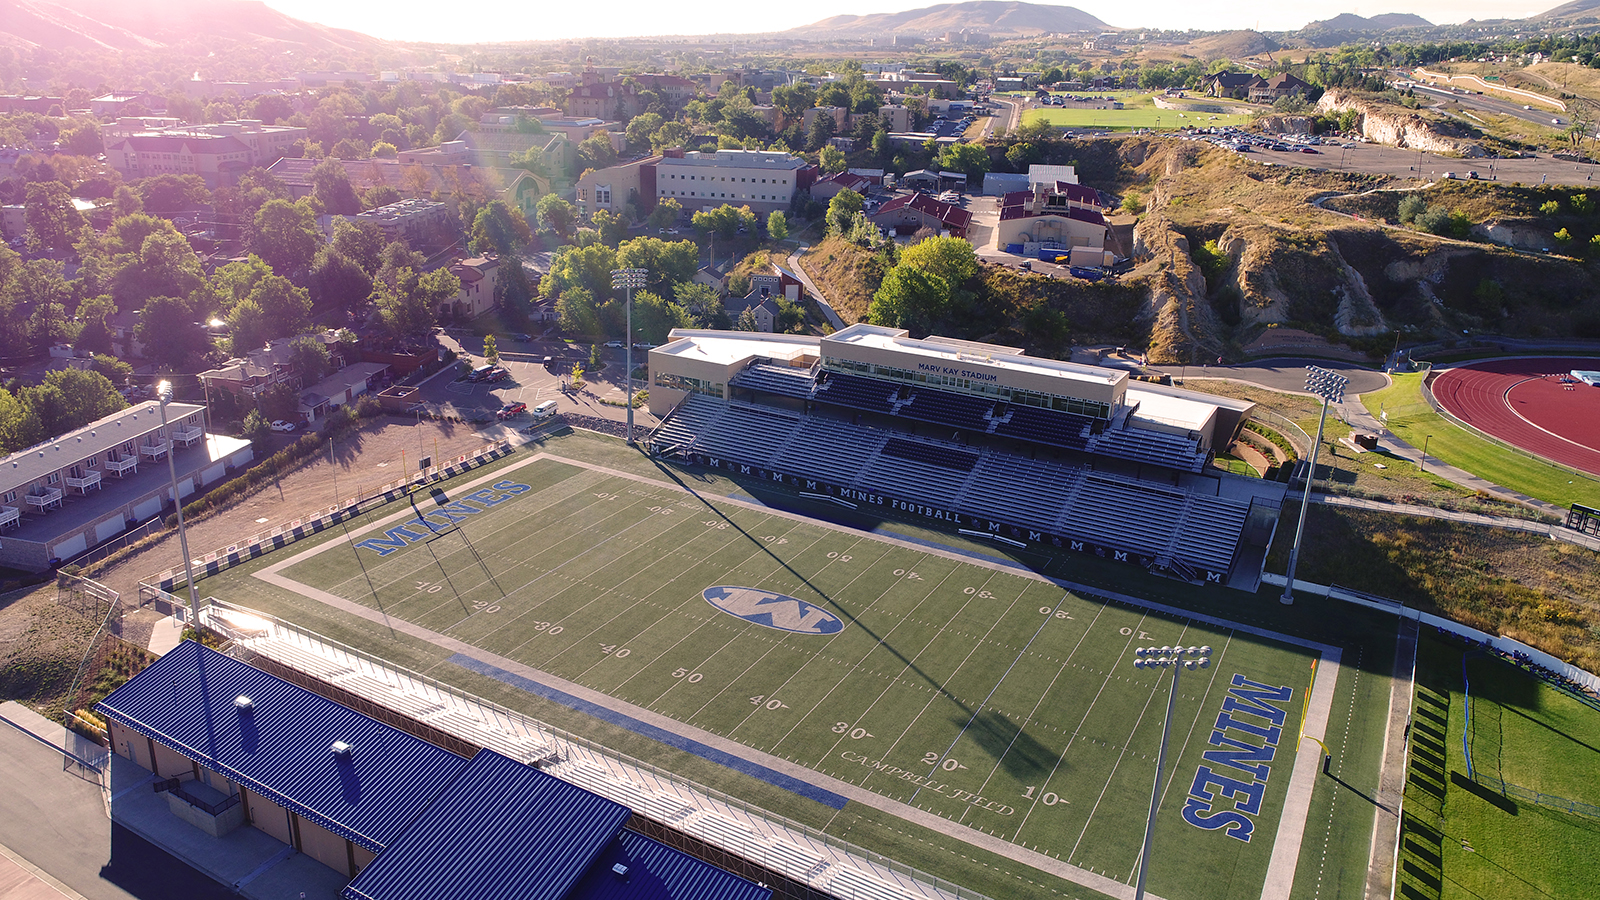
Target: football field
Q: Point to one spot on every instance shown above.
(977, 692)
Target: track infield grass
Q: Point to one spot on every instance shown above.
(1416, 423)
(1129, 118)
(988, 697)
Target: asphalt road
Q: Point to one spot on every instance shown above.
(1539, 115)
(530, 382)
(58, 822)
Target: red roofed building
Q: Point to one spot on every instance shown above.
(1067, 216)
(910, 214)
(828, 186)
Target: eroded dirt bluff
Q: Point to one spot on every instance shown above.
(1183, 326)
(1388, 126)
(1278, 276)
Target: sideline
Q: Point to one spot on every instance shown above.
(1292, 818)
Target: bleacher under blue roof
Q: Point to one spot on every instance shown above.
(280, 749)
(658, 872)
(503, 831)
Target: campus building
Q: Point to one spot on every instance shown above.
(79, 490)
(218, 153)
(763, 180)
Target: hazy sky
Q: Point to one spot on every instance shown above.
(505, 20)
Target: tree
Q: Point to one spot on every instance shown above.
(171, 193)
(1582, 204)
(330, 185)
(169, 333)
(336, 280)
(747, 320)
(163, 265)
(777, 226)
(654, 318)
(1550, 207)
(612, 227)
(596, 152)
(45, 289)
(703, 305)
(841, 209)
(910, 299)
(115, 370)
(126, 201)
(409, 307)
(285, 235)
(309, 358)
(360, 242)
(971, 159)
(231, 284)
(82, 397)
(832, 160)
(1133, 203)
(588, 268)
(1411, 206)
(501, 229)
(288, 307)
(642, 128)
(672, 134)
(726, 221)
(248, 324)
(53, 222)
(558, 215)
(666, 214)
(668, 263)
(821, 131)
(578, 313)
(951, 259)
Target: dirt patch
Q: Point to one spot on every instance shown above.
(848, 275)
(41, 643)
(378, 453)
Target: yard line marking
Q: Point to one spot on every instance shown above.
(1086, 713)
(1036, 704)
(1112, 775)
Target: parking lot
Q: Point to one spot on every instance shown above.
(528, 380)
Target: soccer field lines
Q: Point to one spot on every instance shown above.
(986, 696)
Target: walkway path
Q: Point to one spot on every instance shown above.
(812, 289)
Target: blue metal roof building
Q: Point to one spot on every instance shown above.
(280, 747)
(442, 828)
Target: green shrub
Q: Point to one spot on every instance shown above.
(1411, 206)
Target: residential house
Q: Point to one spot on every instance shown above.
(1277, 87)
(1234, 85)
(339, 389)
(1066, 217)
(79, 490)
(712, 277)
(249, 376)
(479, 276)
(908, 214)
(761, 305)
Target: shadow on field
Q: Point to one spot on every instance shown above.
(1016, 751)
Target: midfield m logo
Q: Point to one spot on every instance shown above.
(773, 610)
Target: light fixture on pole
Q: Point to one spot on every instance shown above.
(164, 394)
(1330, 387)
(1173, 658)
(628, 279)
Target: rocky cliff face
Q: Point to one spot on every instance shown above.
(1183, 325)
(1407, 130)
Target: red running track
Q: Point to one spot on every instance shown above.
(1525, 403)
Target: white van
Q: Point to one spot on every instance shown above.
(544, 410)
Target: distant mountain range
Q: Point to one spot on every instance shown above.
(1577, 9)
(995, 17)
(1384, 22)
(135, 24)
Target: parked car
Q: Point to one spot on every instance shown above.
(281, 425)
(615, 345)
(512, 409)
(544, 410)
(496, 374)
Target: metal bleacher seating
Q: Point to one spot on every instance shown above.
(1210, 532)
(947, 408)
(941, 455)
(1046, 426)
(914, 470)
(856, 392)
(858, 885)
(829, 450)
(1140, 517)
(748, 433)
(1028, 492)
(784, 381)
(1141, 445)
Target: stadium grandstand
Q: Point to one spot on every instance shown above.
(1012, 448)
(399, 816)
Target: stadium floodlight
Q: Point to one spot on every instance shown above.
(1176, 659)
(1330, 387)
(628, 279)
(164, 394)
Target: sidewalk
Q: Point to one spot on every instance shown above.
(811, 287)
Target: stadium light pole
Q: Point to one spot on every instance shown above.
(1330, 387)
(164, 394)
(628, 279)
(1173, 658)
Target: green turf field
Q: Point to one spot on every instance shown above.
(1086, 116)
(982, 694)
(1465, 839)
(1413, 421)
